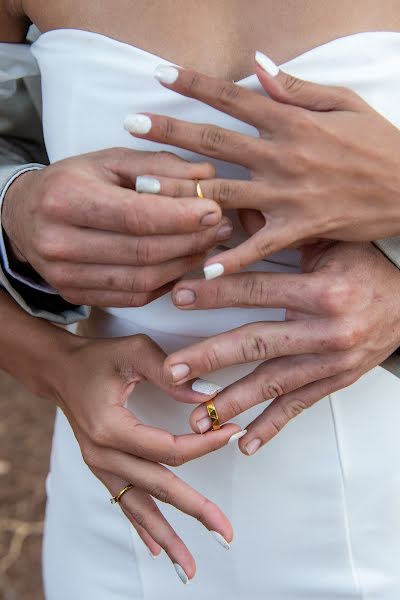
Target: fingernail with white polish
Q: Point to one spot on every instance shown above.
(166, 74)
(213, 271)
(153, 556)
(266, 64)
(204, 424)
(137, 124)
(147, 185)
(181, 574)
(237, 436)
(205, 387)
(253, 446)
(220, 539)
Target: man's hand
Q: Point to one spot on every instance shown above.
(88, 233)
(342, 319)
(325, 164)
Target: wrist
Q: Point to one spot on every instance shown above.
(17, 191)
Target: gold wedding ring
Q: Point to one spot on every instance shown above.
(212, 413)
(117, 499)
(198, 189)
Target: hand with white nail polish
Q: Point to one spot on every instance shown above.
(132, 237)
(120, 449)
(315, 142)
(341, 321)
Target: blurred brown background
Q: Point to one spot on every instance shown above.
(26, 425)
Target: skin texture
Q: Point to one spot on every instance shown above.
(214, 38)
(342, 319)
(115, 445)
(308, 134)
(82, 226)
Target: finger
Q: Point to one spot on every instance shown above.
(253, 342)
(300, 292)
(209, 140)
(163, 485)
(288, 89)
(129, 435)
(271, 379)
(268, 240)
(278, 414)
(91, 246)
(229, 193)
(228, 97)
(110, 208)
(111, 298)
(120, 278)
(140, 507)
(154, 548)
(123, 165)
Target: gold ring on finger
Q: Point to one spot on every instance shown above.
(199, 191)
(117, 498)
(212, 413)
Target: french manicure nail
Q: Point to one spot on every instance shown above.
(213, 271)
(209, 219)
(220, 539)
(181, 574)
(253, 446)
(153, 556)
(147, 185)
(166, 74)
(237, 436)
(137, 124)
(204, 424)
(178, 372)
(184, 297)
(224, 232)
(205, 387)
(266, 64)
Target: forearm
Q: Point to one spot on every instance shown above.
(32, 350)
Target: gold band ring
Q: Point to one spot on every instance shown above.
(212, 413)
(116, 499)
(198, 189)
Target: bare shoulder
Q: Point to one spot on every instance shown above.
(13, 22)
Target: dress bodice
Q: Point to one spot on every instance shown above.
(90, 82)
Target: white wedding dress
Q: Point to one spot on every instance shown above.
(316, 513)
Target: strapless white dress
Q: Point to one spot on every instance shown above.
(316, 513)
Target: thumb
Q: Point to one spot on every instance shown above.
(142, 359)
(286, 88)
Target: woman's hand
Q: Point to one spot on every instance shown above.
(83, 227)
(92, 385)
(342, 319)
(325, 164)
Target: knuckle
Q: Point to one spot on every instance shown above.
(143, 252)
(160, 494)
(271, 389)
(348, 334)
(253, 347)
(293, 85)
(212, 139)
(138, 516)
(293, 408)
(99, 434)
(192, 84)
(174, 459)
(222, 193)
(228, 94)
(341, 295)
(49, 246)
(166, 132)
(212, 359)
(234, 406)
(91, 456)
